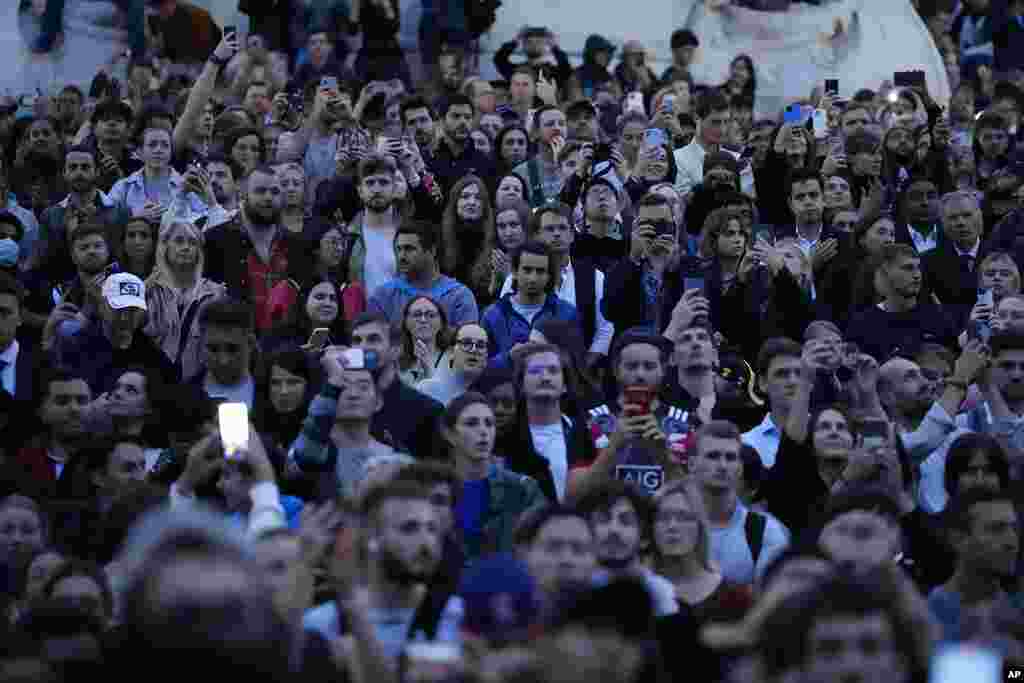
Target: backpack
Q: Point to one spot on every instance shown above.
(754, 528)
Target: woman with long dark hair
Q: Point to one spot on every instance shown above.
(136, 247)
(742, 78)
(283, 396)
(467, 236)
(321, 305)
(511, 147)
(511, 222)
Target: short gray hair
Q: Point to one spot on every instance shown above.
(972, 196)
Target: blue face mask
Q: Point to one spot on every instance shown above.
(9, 251)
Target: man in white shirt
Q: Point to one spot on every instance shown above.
(579, 282)
(377, 223)
(740, 551)
(713, 115)
(778, 371)
(620, 518)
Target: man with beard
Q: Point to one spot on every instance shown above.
(620, 519)
(328, 117)
(542, 172)
(90, 254)
(85, 203)
(951, 269)
(418, 275)
(112, 343)
(401, 538)
(253, 254)
(456, 154)
(151, 190)
(371, 256)
(901, 320)
(39, 465)
(217, 185)
(927, 425)
(632, 433)
(418, 120)
(743, 542)
(985, 532)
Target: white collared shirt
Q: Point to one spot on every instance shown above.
(972, 252)
(604, 329)
(921, 242)
(765, 439)
(130, 192)
(9, 376)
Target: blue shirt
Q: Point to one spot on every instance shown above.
(471, 508)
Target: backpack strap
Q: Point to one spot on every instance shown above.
(537, 197)
(754, 528)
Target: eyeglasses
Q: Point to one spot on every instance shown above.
(423, 315)
(470, 345)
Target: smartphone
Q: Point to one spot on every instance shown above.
(230, 32)
(669, 103)
(655, 137)
(985, 297)
(820, 122)
(319, 338)
(908, 79)
(693, 283)
(234, 428)
(602, 153)
(875, 434)
(793, 114)
(638, 396)
(959, 663)
(329, 83)
(831, 86)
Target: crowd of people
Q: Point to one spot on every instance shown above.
(586, 373)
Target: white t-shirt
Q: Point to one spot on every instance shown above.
(730, 550)
(549, 442)
(528, 311)
(379, 266)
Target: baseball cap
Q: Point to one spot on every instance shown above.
(124, 290)
(499, 598)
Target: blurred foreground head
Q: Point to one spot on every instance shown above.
(192, 600)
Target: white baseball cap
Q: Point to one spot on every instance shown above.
(124, 290)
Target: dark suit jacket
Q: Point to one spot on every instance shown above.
(954, 285)
(25, 370)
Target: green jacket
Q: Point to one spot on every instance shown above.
(511, 495)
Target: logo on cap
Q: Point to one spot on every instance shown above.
(129, 289)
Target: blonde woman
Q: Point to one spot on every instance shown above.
(681, 552)
(175, 292)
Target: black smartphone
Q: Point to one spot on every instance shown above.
(831, 86)
(602, 153)
(908, 79)
(230, 32)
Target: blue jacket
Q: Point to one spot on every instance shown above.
(506, 328)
